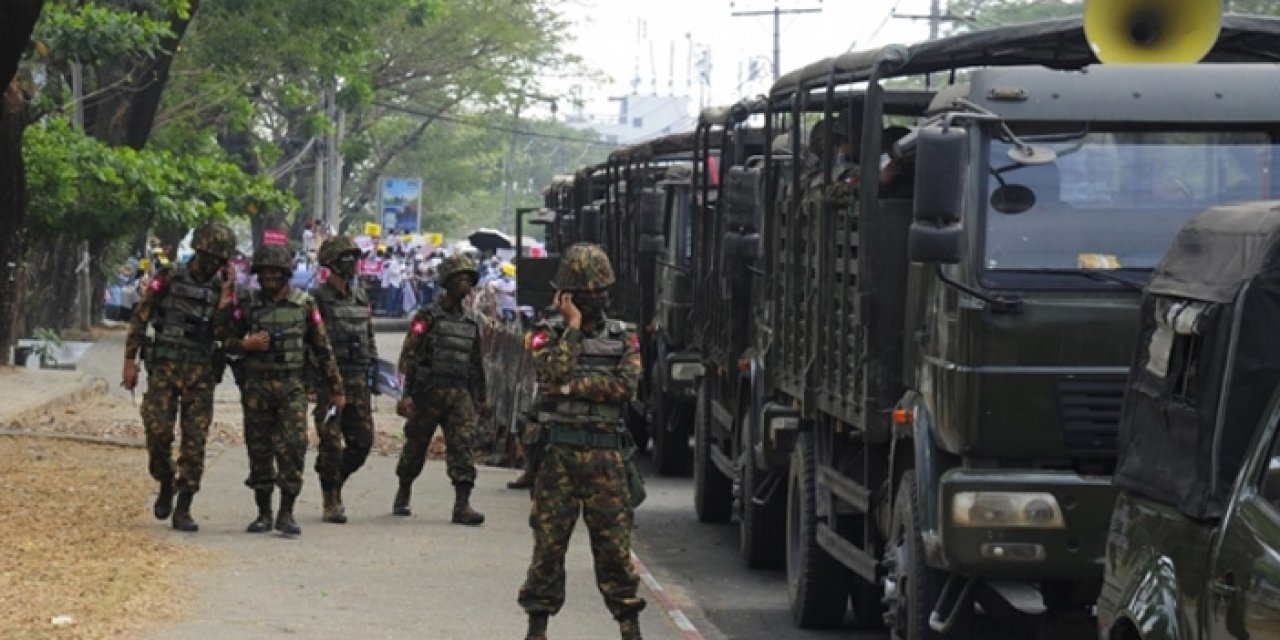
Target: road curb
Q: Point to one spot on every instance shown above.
(669, 606)
(85, 387)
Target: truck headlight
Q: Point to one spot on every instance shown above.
(1006, 509)
(686, 371)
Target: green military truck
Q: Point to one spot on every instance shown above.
(649, 207)
(1193, 550)
(942, 327)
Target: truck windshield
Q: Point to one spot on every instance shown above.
(1115, 200)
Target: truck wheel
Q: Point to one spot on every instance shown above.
(671, 435)
(712, 491)
(761, 527)
(816, 583)
(911, 588)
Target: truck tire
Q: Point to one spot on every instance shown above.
(912, 588)
(762, 530)
(817, 585)
(670, 436)
(712, 491)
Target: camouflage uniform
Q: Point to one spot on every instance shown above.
(273, 394)
(444, 374)
(345, 440)
(183, 368)
(597, 370)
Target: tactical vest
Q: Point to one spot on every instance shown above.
(601, 354)
(446, 351)
(287, 325)
(348, 324)
(183, 324)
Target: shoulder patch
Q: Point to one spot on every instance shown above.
(418, 327)
(157, 284)
(316, 317)
(537, 340)
(634, 340)
(238, 313)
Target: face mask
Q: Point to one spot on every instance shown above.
(458, 287)
(203, 266)
(272, 281)
(592, 307)
(345, 267)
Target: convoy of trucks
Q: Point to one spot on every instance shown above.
(889, 309)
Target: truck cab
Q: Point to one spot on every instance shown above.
(1193, 549)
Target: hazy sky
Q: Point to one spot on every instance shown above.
(612, 35)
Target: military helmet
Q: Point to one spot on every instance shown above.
(584, 267)
(217, 240)
(271, 255)
(454, 265)
(336, 247)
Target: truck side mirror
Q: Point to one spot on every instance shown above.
(942, 155)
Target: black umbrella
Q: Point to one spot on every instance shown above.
(490, 240)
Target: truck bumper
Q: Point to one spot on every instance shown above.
(1073, 551)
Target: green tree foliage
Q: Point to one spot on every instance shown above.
(87, 189)
(256, 72)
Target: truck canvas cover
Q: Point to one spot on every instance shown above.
(1207, 359)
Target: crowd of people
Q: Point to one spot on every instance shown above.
(397, 277)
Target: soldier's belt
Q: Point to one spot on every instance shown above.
(273, 374)
(585, 439)
(594, 411)
(158, 352)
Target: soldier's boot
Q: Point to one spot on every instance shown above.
(630, 628)
(462, 511)
(284, 520)
(182, 520)
(524, 481)
(333, 510)
(401, 506)
(537, 627)
(264, 521)
(164, 501)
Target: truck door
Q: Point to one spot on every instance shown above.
(1243, 593)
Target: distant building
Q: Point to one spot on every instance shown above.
(639, 118)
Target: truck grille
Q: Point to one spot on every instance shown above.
(1089, 408)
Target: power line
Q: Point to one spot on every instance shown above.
(488, 127)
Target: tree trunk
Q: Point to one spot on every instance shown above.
(51, 302)
(98, 274)
(13, 211)
(126, 113)
(17, 19)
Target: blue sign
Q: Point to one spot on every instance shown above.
(400, 204)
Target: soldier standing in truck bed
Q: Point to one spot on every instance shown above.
(444, 385)
(184, 365)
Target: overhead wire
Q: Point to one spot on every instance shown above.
(467, 122)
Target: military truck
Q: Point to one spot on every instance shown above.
(945, 323)
(648, 237)
(1193, 550)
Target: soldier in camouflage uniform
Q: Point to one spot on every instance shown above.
(183, 366)
(274, 329)
(590, 369)
(345, 439)
(444, 385)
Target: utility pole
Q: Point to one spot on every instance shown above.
(333, 202)
(777, 13)
(936, 17)
(505, 221)
(84, 301)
